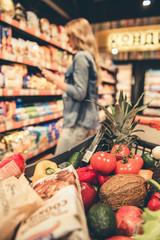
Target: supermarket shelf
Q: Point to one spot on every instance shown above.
(32, 32)
(11, 58)
(109, 80)
(29, 92)
(108, 69)
(106, 93)
(11, 125)
(40, 150)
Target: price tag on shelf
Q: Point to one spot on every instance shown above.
(19, 59)
(22, 25)
(8, 19)
(47, 38)
(36, 152)
(9, 92)
(48, 65)
(9, 125)
(36, 92)
(26, 122)
(37, 33)
(32, 92)
(41, 119)
(59, 92)
(59, 68)
(24, 92)
(53, 92)
(31, 121)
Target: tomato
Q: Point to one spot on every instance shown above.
(120, 150)
(139, 160)
(130, 165)
(103, 162)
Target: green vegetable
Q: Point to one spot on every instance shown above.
(151, 229)
(75, 159)
(154, 184)
(148, 161)
(50, 171)
(101, 221)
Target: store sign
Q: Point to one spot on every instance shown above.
(144, 38)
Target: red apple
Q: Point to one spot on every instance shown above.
(129, 220)
(88, 194)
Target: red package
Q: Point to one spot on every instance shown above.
(13, 165)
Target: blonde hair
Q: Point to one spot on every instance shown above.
(81, 29)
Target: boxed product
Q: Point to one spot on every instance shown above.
(13, 76)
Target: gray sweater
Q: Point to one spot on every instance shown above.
(81, 77)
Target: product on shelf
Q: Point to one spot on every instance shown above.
(30, 139)
(7, 8)
(152, 92)
(45, 26)
(124, 79)
(32, 20)
(20, 14)
(54, 32)
(13, 76)
(5, 39)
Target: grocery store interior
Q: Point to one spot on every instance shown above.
(33, 34)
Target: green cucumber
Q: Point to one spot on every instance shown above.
(75, 159)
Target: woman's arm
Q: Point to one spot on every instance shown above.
(56, 79)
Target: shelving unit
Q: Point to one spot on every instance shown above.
(10, 125)
(106, 92)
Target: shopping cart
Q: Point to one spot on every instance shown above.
(61, 159)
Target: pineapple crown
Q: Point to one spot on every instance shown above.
(120, 123)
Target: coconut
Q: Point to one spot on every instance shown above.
(124, 190)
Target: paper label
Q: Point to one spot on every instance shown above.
(8, 170)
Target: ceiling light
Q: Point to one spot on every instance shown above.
(114, 51)
(146, 2)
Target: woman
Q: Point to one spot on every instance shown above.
(81, 81)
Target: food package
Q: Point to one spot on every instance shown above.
(54, 31)
(32, 20)
(7, 7)
(45, 26)
(17, 202)
(20, 14)
(13, 75)
(62, 216)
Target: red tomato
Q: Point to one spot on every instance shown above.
(103, 162)
(131, 166)
(138, 160)
(120, 150)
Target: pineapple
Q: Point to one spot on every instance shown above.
(119, 125)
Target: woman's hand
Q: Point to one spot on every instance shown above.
(54, 78)
(50, 76)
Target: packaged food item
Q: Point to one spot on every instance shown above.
(13, 165)
(62, 216)
(17, 202)
(54, 31)
(32, 20)
(13, 76)
(7, 7)
(45, 26)
(20, 14)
